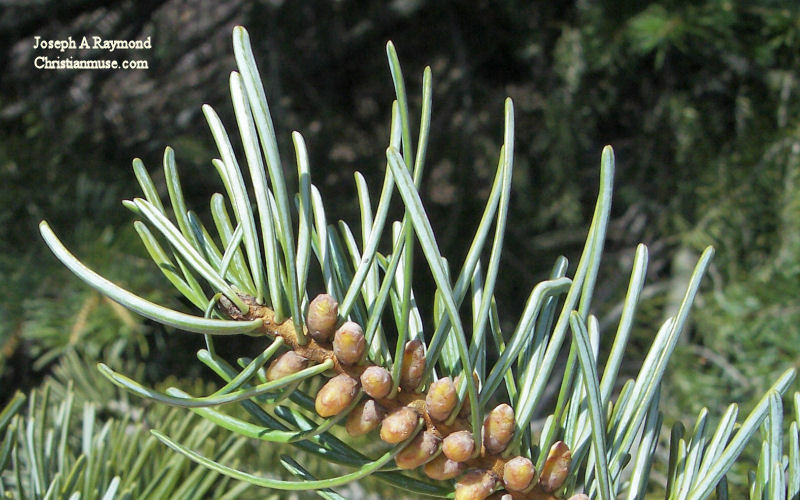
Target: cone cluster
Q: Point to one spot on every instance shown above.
(446, 448)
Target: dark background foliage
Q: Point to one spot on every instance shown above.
(699, 99)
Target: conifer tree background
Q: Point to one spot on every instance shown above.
(699, 99)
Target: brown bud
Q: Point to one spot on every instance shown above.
(349, 343)
(442, 468)
(475, 485)
(441, 399)
(538, 494)
(287, 363)
(498, 428)
(555, 468)
(336, 395)
(418, 451)
(459, 446)
(376, 381)
(518, 473)
(364, 417)
(399, 425)
(323, 314)
(413, 365)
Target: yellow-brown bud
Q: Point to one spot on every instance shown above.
(556, 467)
(419, 451)
(287, 363)
(442, 468)
(364, 417)
(376, 381)
(399, 425)
(413, 365)
(441, 399)
(504, 495)
(539, 494)
(475, 485)
(498, 428)
(349, 343)
(336, 395)
(323, 314)
(459, 446)
(518, 473)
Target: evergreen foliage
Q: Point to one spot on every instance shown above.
(246, 288)
(699, 99)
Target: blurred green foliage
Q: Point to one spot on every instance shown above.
(72, 442)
